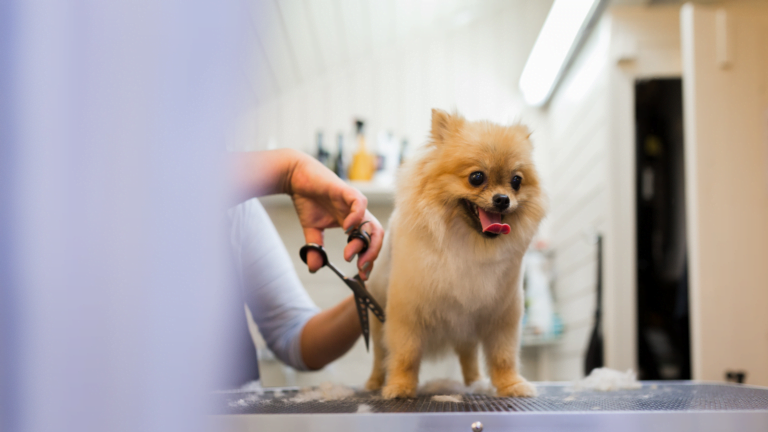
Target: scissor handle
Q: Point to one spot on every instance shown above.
(358, 233)
(313, 246)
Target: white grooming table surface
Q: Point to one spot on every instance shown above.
(657, 406)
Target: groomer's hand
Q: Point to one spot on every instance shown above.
(321, 198)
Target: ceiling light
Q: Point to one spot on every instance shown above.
(565, 26)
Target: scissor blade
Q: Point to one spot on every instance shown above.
(371, 302)
(337, 271)
(362, 314)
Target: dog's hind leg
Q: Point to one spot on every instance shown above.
(468, 359)
(379, 372)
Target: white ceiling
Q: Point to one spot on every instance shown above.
(297, 40)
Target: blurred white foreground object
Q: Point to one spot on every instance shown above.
(113, 123)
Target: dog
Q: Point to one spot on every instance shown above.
(449, 275)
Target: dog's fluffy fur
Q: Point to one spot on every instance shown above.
(443, 282)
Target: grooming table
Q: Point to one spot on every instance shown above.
(658, 406)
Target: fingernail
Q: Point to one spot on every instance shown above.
(367, 274)
(312, 271)
(349, 230)
(366, 265)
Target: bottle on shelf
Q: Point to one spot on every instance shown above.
(403, 150)
(323, 156)
(338, 163)
(388, 159)
(363, 162)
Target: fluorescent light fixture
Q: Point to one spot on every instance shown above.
(561, 34)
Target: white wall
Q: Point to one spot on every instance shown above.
(590, 121)
(578, 126)
(474, 68)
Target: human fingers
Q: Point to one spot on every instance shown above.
(353, 248)
(365, 274)
(357, 203)
(314, 259)
(356, 244)
(376, 232)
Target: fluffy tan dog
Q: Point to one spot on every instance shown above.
(466, 210)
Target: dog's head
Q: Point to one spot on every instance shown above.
(483, 175)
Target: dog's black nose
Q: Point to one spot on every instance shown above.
(500, 201)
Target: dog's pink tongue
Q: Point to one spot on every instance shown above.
(492, 222)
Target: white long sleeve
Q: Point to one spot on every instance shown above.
(271, 289)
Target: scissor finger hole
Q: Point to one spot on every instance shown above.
(315, 247)
(364, 236)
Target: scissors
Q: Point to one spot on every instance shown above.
(363, 299)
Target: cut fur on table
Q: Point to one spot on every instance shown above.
(450, 387)
(466, 209)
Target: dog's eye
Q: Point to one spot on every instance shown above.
(477, 178)
(516, 180)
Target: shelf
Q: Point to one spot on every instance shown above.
(531, 341)
(377, 194)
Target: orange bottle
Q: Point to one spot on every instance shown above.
(363, 163)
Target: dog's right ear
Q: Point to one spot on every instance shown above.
(443, 124)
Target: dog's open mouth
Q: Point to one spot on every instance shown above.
(490, 223)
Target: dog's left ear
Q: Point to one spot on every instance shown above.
(523, 131)
(443, 124)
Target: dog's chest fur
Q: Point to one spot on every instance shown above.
(458, 290)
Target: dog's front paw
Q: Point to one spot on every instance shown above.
(520, 388)
(393, 391)
(374, 382)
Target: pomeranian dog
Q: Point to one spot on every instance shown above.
(466, 209)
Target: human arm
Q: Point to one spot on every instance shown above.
(330, 334)
(322, 200)
(294, 328)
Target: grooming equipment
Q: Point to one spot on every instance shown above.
(680, 406)
(363, 299)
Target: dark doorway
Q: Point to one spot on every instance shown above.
(664, 343)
